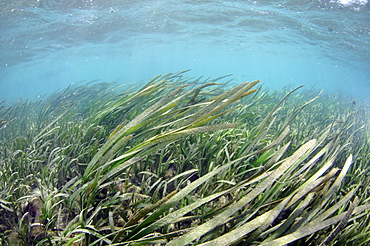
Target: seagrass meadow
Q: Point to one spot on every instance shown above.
(185, 161)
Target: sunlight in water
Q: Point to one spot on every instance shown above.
(351, 2)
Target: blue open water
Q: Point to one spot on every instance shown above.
(46, 45)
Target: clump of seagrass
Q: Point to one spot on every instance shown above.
(184, 162)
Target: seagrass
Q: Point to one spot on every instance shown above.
(184, 161)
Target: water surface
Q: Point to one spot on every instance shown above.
(47, 45)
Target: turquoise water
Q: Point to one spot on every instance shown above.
(48, 45)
